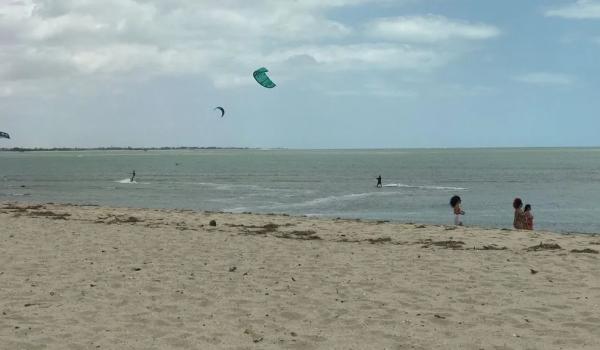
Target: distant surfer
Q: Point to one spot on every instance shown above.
(132, 176)
(379, 185)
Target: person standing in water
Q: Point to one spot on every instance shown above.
(455, 202)
(519, 219)
(379, 185)
(132, 176)
(528, 217)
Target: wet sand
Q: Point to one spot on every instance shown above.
(83, 277)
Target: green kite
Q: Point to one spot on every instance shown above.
(261, 77)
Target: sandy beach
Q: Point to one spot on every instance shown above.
(85, 277)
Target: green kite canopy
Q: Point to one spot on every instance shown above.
(261, 77)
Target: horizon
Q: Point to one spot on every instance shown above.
(209, 148)
(350, 74)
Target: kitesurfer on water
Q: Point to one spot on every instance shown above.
(379, 181)
(132, 176)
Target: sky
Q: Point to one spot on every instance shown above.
(349, 73)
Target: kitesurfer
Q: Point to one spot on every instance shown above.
(132, 176)
(379, 185)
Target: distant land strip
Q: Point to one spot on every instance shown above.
(55, 149)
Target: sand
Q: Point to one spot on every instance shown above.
(83, 277)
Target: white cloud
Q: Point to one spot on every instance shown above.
(371, 91)
(429, 29)
(224, 41)
(546, 79)
(582, 9)
(364, 56)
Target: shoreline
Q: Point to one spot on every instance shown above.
(300, 216)
(112, 278)
(201, 148)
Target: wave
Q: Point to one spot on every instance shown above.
(15, 194)
(441, 188)
(237, 210)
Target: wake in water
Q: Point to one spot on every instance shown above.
(128, 181)
(316, 202)
(351, 197)
(441, 188)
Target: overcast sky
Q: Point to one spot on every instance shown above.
(349, 73)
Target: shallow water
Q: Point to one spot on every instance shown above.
(563, 185)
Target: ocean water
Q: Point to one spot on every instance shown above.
(563, 185)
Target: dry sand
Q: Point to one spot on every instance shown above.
(74, 277)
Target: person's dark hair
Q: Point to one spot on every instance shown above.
(527, 207)
(454, 201)
(517, 203)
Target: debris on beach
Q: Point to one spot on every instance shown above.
(49, 214)
(494, 247)
(232, 269)
(491, 247)
(449, 244)
(586, 250)
(268, 228)
(533, 272)
(12, 206)
(117, 219)
(181, 226)
(301, 235)
(212, 223)
(256, 338)
(34, 211)
(544, 246)
(258, 230)
(379, 240)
